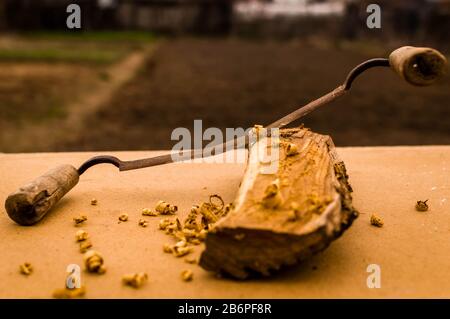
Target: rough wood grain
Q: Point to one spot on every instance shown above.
(315, 208)
(31, 202)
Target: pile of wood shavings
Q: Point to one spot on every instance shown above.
(192, 231)
(195, 227)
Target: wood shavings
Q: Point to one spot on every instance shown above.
(272, 195)
(181, 243)
(204, 223)
(218, 206)
(291, 149)
(26, 269)
(66, 293)
(81, 235)
(164, 223)
(191, 232)
(187, 275)
(85, 246)
(123, 218)
(422, 206)
(136, 280)
(94, 202)
(94, 262)
(178, 223)
(190, 260)
(148, 212)
(181, 251)
(208, 212)
(165, 208)
(172, 227)
(202, 234)
(143, 223)
(376, 221)
(167, 248)
(79, 220)
(191, 220)
(194, 241)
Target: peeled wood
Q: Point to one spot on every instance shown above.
(316, 208)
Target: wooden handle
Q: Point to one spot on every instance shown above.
(31, 202)
(418, 66)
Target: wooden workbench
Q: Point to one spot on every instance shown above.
(412, 249)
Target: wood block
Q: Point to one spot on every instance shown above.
(282, 218)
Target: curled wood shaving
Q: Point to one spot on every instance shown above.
(190, 260)
(85, 246)
(167, 248)
(81, 235)
(148, 212)
(94, 262)
(376, 221)
(94, 202)
(123, 217)
(135, 280)
(422, 206)
(79, 220)
(26, 269)
(208, 212)
(165, 208)
(164, 223)
(143, 223)
(180, 249)
(191, 220)
(187, 275)
(66, 293)
(272, 195)
(291, 149)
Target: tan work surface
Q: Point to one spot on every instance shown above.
(412, 249)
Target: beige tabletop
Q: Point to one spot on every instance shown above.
(412, 249)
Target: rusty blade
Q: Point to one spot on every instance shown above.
(236, 143)
(239, 142)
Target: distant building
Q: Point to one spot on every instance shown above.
(178, 16)
(420, 21)
(174, 16)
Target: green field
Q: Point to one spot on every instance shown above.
(72, 47)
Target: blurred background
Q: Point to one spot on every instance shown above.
(137, 69)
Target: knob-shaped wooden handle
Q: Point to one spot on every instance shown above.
(418, 66)
(31, 202)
